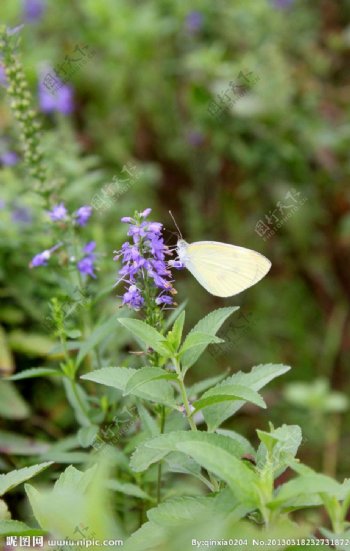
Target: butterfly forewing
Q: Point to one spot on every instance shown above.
(225, 270)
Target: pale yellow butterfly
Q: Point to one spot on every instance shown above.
(223, 270)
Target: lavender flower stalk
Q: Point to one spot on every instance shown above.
(145, 271)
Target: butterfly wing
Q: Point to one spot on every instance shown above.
(225, 270)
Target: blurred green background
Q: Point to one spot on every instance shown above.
(231, 114)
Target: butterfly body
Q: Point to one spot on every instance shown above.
(222, 269)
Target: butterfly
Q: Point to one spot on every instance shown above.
(224, 270)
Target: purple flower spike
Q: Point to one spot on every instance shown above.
(60, 98)
(33, 10)
(86, 266)
(144, 268)
(83, 214)
(58, 212)
(89, 247)
(10, 158)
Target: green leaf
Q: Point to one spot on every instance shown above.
(128, 489)
(12, 405)
(30, 344)
(175, 314)
(149, 423)
(78, 400)
(246, 445)
(197, 388)
(196, 339)
(17, 528)
(14, 444)
(7, 363)
(256, 379)
(209, 325)
(285, 443)
(228, 393)
(240, 478)
(14, 478)
(146, 375)
(181, 510)
(87, 435)
(306, 485)
(147, 334)
(100, 333)
(35, 372)
(153, 450)
(118, 377)
(175, 335)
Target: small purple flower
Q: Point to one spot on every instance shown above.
(86, 265)
(21, 215)
(194, 21)
(144, 268)
(83, 214)
(58, 212)
(282, 4)
(59, 99)
(9, 158)
(42, 259)
(33, 10)
(133, 298)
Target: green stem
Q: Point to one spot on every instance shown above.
(159, 480)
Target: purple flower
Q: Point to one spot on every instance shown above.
(9, 158)
(144, 268)
(58, 212)
(86, 264)
(41, 259)
(33, 10)
(2, 204)
(194, 21)
(59, 99)
(3, 78)
(282, 4)
(83, 214)
(133, 298)
(21, 215)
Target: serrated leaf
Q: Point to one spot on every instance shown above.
(100, 333)
(146, 375)
(17, 528)
(153, 450)
(196, 339)
(181, 510)
(35, 372)
(286, 441)
(240, 478)
(256, 379)
(197, 388)
(147, 334)
(118, 377)
(246, 445)
(14, 478)
(310, 484)
(12, 405)
(227, 393)
(209, 325)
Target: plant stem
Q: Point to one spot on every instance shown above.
(159, 479)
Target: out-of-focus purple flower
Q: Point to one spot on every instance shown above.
(58, 212)
(83, 214)
(2, 204)
(3, 78)
(144, 269)
(33, 10)
(61, 99)
(194, 21)
(21, 215)
(9, 158)
(282, 4)
(86, 265)
(195, 138)
(42, 259)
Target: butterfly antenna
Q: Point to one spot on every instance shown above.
(176, 226)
